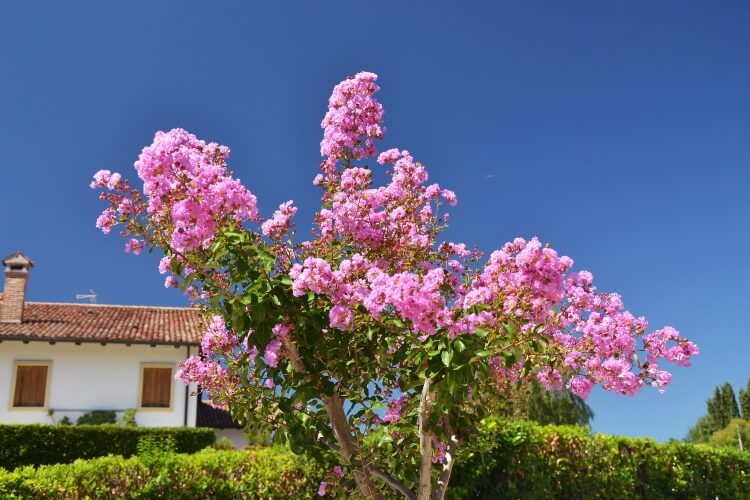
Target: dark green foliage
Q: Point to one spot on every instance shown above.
(567, 463)
(729, 406)
(745, 401)
(50, 444)
(721, 409)
(701, 431)
(261, 473)
(557, 407)
(97, 417)
(527, 461)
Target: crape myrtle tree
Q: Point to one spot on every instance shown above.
(374, 326)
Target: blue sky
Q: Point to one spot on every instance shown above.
(618, 132)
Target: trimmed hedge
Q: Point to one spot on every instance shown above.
(530, 461)
(261, 473)
(40, 444)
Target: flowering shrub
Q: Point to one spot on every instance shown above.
(374, 326)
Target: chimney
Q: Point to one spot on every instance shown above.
(14, 294)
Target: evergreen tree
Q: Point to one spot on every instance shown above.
(701, 431)
(745, 401)
(721, 409)
(729, 406)
(714, 412)
(557, 407)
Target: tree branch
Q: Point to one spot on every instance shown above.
(349, 449)
(393, 483)
(445, 473)
(425, 443)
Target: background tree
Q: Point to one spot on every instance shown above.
(730, 409)
(701, 431)
(745, 401)
(556, 407)
(721, 408)
(374, 327)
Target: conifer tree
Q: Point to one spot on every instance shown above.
(745, 401)
(729, 408)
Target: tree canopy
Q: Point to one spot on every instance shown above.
(375, 326)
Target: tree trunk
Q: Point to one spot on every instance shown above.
(425, 443)
(349, 449)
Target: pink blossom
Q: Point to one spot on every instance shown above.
(133, 245)
(352, 115)
(282, 330)
(440, 450)
(340, 317)
(338, 472)
(279, 224)
(165, 264)
(393, 411)
(189, 188)
(217, 339)
(323, 488)
(271, 355)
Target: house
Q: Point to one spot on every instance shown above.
(62, 360)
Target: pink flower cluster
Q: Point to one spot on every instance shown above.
(393, 410)
(122, 205)
(397, 215)
(190, 190)
(218, 340)
(278, 225)
(524, 278)
(415, 297)
(353, 119)
(218, 345)
(210, 376)
(593, 335)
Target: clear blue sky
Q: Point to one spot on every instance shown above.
(617, 131)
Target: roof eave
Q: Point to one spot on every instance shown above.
(88, 340)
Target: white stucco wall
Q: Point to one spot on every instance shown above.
(93, 377)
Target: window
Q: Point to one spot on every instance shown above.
(156, 388)
(31, 380)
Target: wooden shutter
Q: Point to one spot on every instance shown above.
(31, 385)
(157, 387)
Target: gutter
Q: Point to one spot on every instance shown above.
(187, 394)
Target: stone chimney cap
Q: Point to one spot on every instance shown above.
(16, 260)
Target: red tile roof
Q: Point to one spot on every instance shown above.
(106, 323)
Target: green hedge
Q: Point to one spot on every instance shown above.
(262, 473)
(530, 461)
(50, 444)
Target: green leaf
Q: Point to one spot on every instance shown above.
(446, 357)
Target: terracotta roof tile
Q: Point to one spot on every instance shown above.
(106, 323)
